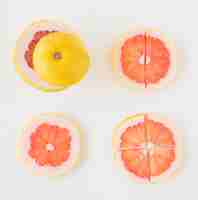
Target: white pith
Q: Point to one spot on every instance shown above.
(142, 60)
(50, 147)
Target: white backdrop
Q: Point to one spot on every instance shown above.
(97, 102)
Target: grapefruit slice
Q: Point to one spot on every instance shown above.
(50, 145)
(145, 59)
(47, 49)
(148, 148)
(63, 52)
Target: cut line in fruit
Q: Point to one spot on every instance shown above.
(145, 59)
(50, 145)
(148, 148)
(37, 50)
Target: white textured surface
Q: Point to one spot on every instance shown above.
(97, 102)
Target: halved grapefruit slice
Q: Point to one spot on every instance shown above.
(145, 58)
(50, 56)
(148, 148)
(50, 145)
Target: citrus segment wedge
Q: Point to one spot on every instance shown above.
(157, 60)
(161, 160)
(133, 159)
(133, 137)
(158, 133)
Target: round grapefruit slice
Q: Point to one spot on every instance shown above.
(145, 59)
(148, 148)
(50, 145)
(50, 56)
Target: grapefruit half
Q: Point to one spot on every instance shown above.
(50, 145)
(145, 59)
(148, 148)
(50, 56)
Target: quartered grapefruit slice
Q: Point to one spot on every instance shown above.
(50, 145)
(50, 56)
(145, 58)
(148, 148)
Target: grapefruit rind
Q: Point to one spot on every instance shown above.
(73, 66)
(62, 120)
(25, 72)
(177, 164)
(171, 76)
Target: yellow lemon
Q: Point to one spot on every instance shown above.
(61, 59)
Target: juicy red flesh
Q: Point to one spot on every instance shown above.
(31, 46)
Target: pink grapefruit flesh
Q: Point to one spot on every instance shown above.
(50, 145)
(148, 148)
(145, 59)
(132, 50)
(158, 133)
(31, 46)
(133, 136)
(133, 159)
